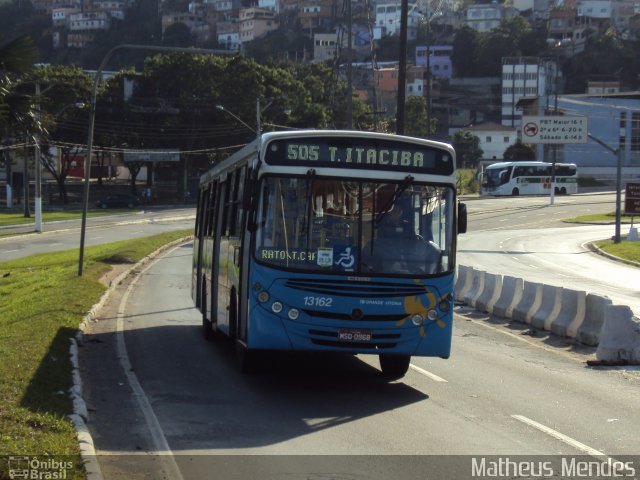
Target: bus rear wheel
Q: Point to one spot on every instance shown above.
(394, 366)
(515, 192)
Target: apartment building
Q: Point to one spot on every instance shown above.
(316, 13)
(439, 59)
(228, 35)
(60, 15)
(525, 77)
(388, 20)
(256, 23)
(486, 17)
(493, 138)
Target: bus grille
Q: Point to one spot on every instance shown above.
(349, 317)
(346, 288)
(330, 339)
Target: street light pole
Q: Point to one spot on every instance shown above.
(618, 153)
(38, 197)
(257, 132)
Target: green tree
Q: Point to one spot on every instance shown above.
(65, 91)
(466, 45)
(16, 60)
(416, 117)
(467, 147)
(519, 151)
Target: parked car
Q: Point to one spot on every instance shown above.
(118, 201)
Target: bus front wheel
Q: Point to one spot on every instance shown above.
(394, 366)
(515, 192)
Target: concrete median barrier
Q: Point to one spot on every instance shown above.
(550, 305)
(463, 283)
(529, 303)
(477, 285)
(620, 336)
(571, 314)
(589, 330)
(510, 296)
(490, 292)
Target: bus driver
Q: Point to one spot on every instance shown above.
(397, 249)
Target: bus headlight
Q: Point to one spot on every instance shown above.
(263, 297)
(293, 314)
(276, 307)
(417, 319)
(432, 315)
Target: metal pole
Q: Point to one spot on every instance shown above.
(402, 68)
(553, 176)
(349, 67)
(618, 152)
(38, 161)
(258, 114)
(25, 177)
(92, 117)
(616, 238)
(429, 77)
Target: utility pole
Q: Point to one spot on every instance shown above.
(349, 68)
(402, 68)
(25, 177)
(38, 160)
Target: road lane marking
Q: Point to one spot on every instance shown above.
(426, 373)
(158, 439)
(560, 436)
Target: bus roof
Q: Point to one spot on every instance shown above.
(525, 163)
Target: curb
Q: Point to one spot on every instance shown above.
(595, 249)
(80, 414)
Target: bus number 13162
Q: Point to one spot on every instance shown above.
(318, 301)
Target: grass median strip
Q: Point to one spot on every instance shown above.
(42, 302)
(18, 218)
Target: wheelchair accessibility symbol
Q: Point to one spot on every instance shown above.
(346, 259)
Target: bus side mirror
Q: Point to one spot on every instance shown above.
(462, 218)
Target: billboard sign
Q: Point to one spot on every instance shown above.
(554, 129)
(151, 156)
(632, 199)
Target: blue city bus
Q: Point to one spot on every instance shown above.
(330, 241)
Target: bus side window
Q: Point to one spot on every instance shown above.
(211, 209)
(224, 224)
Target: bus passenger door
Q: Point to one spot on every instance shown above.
(221, 264)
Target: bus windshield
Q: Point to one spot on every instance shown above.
(335, 225)
(494, 177)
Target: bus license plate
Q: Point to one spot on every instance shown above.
(354, 335)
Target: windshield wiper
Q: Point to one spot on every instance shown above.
(401, 188)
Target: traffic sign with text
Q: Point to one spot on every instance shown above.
(554, 129)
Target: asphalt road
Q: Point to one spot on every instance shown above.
(525, 237)
(154, 386)
(66, 235)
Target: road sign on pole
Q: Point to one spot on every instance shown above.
(632, 199)
(554, 129)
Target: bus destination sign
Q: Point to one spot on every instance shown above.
(339, 152)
